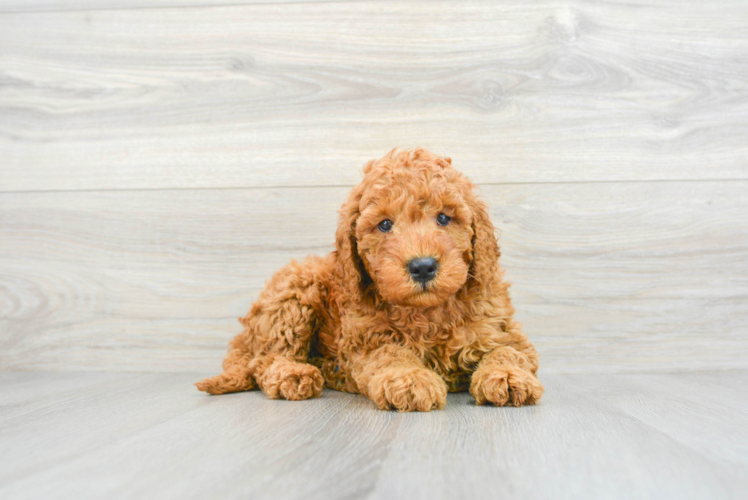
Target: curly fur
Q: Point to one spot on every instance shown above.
(356, 321)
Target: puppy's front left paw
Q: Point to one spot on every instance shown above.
(416, 389)
(505, 385)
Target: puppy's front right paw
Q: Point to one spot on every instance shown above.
(506, 385)
(414, 389)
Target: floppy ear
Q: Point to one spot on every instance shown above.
(485, 251)
(354, 275)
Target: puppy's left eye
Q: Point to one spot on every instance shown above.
(385, 226)
(443, 220)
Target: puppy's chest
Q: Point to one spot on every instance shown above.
(454, 356)
(450, 347)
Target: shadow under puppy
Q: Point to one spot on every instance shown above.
(410, 305)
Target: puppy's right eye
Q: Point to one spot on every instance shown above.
(385, 226)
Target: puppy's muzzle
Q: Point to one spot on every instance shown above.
(423, 269)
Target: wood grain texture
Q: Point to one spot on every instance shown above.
(305, 93)
(19, 6)
(154, 435)
(683, 406)
(606, 276)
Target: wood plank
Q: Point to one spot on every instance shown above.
(573, 445)
(606, 276)
(305, 93)
(254, 438)
(570, 446)
(683, 406)
(22, 393)
(17, 6)
(93, 411)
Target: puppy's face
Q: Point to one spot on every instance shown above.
(414, 234)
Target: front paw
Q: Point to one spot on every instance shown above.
(505, 385)
(291, 380)
(416, 389)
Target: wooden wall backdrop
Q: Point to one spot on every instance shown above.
(159, 159)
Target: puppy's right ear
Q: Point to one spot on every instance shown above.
(354, 276)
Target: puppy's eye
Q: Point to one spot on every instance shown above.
(443, 220)
(385, 226)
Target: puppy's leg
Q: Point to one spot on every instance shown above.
(273, 349)
(282, 377)
(506, 376)
(393, 377)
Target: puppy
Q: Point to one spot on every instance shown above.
(410, 305)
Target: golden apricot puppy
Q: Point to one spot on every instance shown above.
(410, 305)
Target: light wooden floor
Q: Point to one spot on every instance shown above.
(104, 435)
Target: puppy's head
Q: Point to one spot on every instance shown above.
(413, 232)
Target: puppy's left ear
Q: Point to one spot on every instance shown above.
(485, 251)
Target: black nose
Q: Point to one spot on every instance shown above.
(423, 269)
